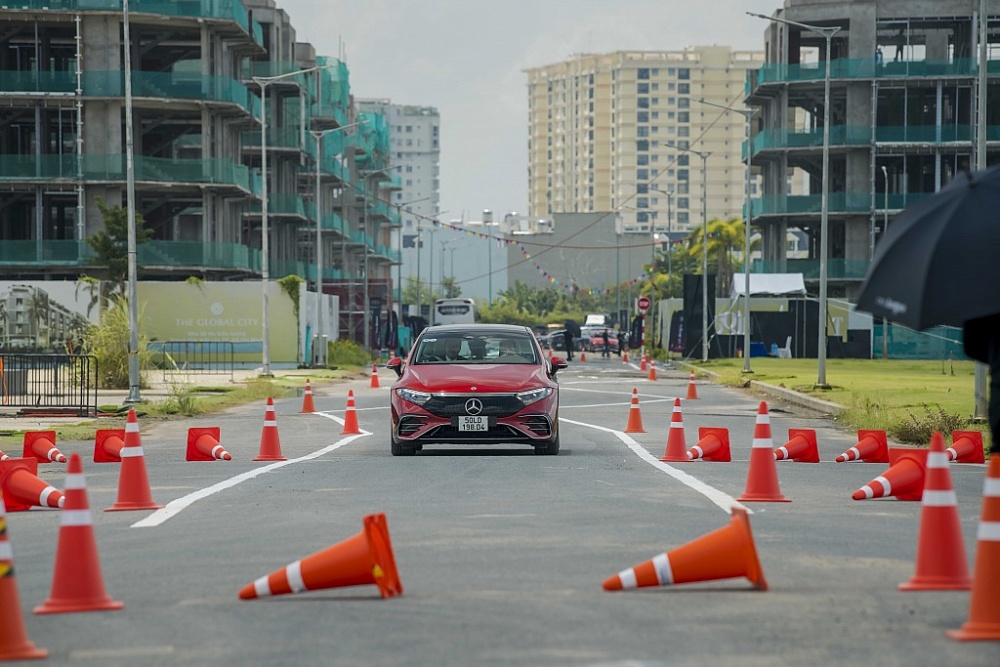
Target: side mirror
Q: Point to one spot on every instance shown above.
(557, 364)
(396, 364)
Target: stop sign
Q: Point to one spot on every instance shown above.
(643, 303)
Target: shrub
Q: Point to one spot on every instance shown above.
(916, 430)
(347, 353)
(109, 343)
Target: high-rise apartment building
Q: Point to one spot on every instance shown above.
(627, 132)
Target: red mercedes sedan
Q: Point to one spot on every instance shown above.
(475, 384)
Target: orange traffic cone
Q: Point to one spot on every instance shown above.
(203, 445)
(624, 356)
(23, 489)
(133, 483)
(712, 445)
(722, 554)
(652, 371)
(350, 417)
(676, 443)
(940, 549)
(801, 447)
(762, 476)
(365, 558)
(374, 384)
(3, 457)
(77, 584)
(966, 447)
(904, 478)
(872, 447)
(583, 356)
(984, 606)
(108, 444)
(270, 443)
(634, 424)
(42, 446)
(692, 394)
(642, 363)
(14, 642)
(307, 399)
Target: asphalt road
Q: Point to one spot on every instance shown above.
(501, 553)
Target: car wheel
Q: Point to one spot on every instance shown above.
(399, 449)
(549, 449)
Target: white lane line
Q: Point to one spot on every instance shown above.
(723, 500)
(174, 507)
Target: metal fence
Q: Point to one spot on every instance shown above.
(208, 357)
(49, 384)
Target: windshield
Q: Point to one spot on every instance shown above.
(475, 349)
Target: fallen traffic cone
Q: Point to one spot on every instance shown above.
(77, 584)
(676, 443)
(722, 554)
(762, 476)
(203, 445)
(365, 558)
(108, 444)
(801, 447)
(904, 479)
(270, 443)
(692, 394)
(374, 383)
(940, 549)
(966, 447)
(23, 489)
(133, 483)
(3, 457)
(634, 424)
(307, 399)
(712, 445)
(14, 642)
(42, 446)
(984, 605)
(350, 417)
(652, 371)
(872, 447)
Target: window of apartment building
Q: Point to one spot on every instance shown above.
(642, 131)
(642, 159)
(642, 145)
(682, 174)
(642, 188)
(656, 86)
(683, 103)
(642, 202)
(642, 88)
(642, 73)
(641, 216)
(683, 145)
(684, 89)
(655, 71)
(683, 131)
(682, 188)
(671, 71)
(642, 174)
(671, 86)
(683, 160)
(642, 116)
(682, 202)
(409, 128)
(684, 117)
(671, 101)
(683, 73)
(642, 102)
(683, 218)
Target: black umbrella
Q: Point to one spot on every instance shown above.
(938, 264)
(938, 261)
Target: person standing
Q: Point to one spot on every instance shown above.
(605, 345)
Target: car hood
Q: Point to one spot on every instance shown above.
(484, 377)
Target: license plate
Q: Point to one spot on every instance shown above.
(469, 423)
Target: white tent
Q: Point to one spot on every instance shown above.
(769, 284)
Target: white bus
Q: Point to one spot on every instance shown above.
(454, 311)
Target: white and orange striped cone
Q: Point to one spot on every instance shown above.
(984, 605)
(108, 444)
(270, 442)
(625, 356)
(3, 457)
(366, 558)
(872, 447)
(374, 383)
(676, 443)
(801, 447)
(966, 447)
(634, 424)
(762, 476)
(350, 416)
(42, 446)
(203, 445)
(692, 393)
(642, 363)
(940, 549)
(14, 642)
(22, 489)
(904, 479)
(133, 482)
(724, 553)
(712, 445)
(583, 356)
(652, 371)
(77, 583)
(307, 399)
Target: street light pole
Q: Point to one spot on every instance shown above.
(704, 257)
(885, 226)
(824, 231)
(133, 306)
(265, 269)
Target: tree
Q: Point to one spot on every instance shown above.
(724, 238)
(110, 245)
(452, 290)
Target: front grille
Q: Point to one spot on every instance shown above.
(502, 405)
(498, 433)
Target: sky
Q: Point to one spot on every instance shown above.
(467, 58)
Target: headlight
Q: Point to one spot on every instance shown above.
(528, 397)
(413, 396)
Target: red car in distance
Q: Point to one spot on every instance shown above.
(475, 384)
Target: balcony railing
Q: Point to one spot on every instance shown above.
(838, 202)
(212, 9)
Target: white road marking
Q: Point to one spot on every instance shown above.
(174, 507)
(723, 500)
